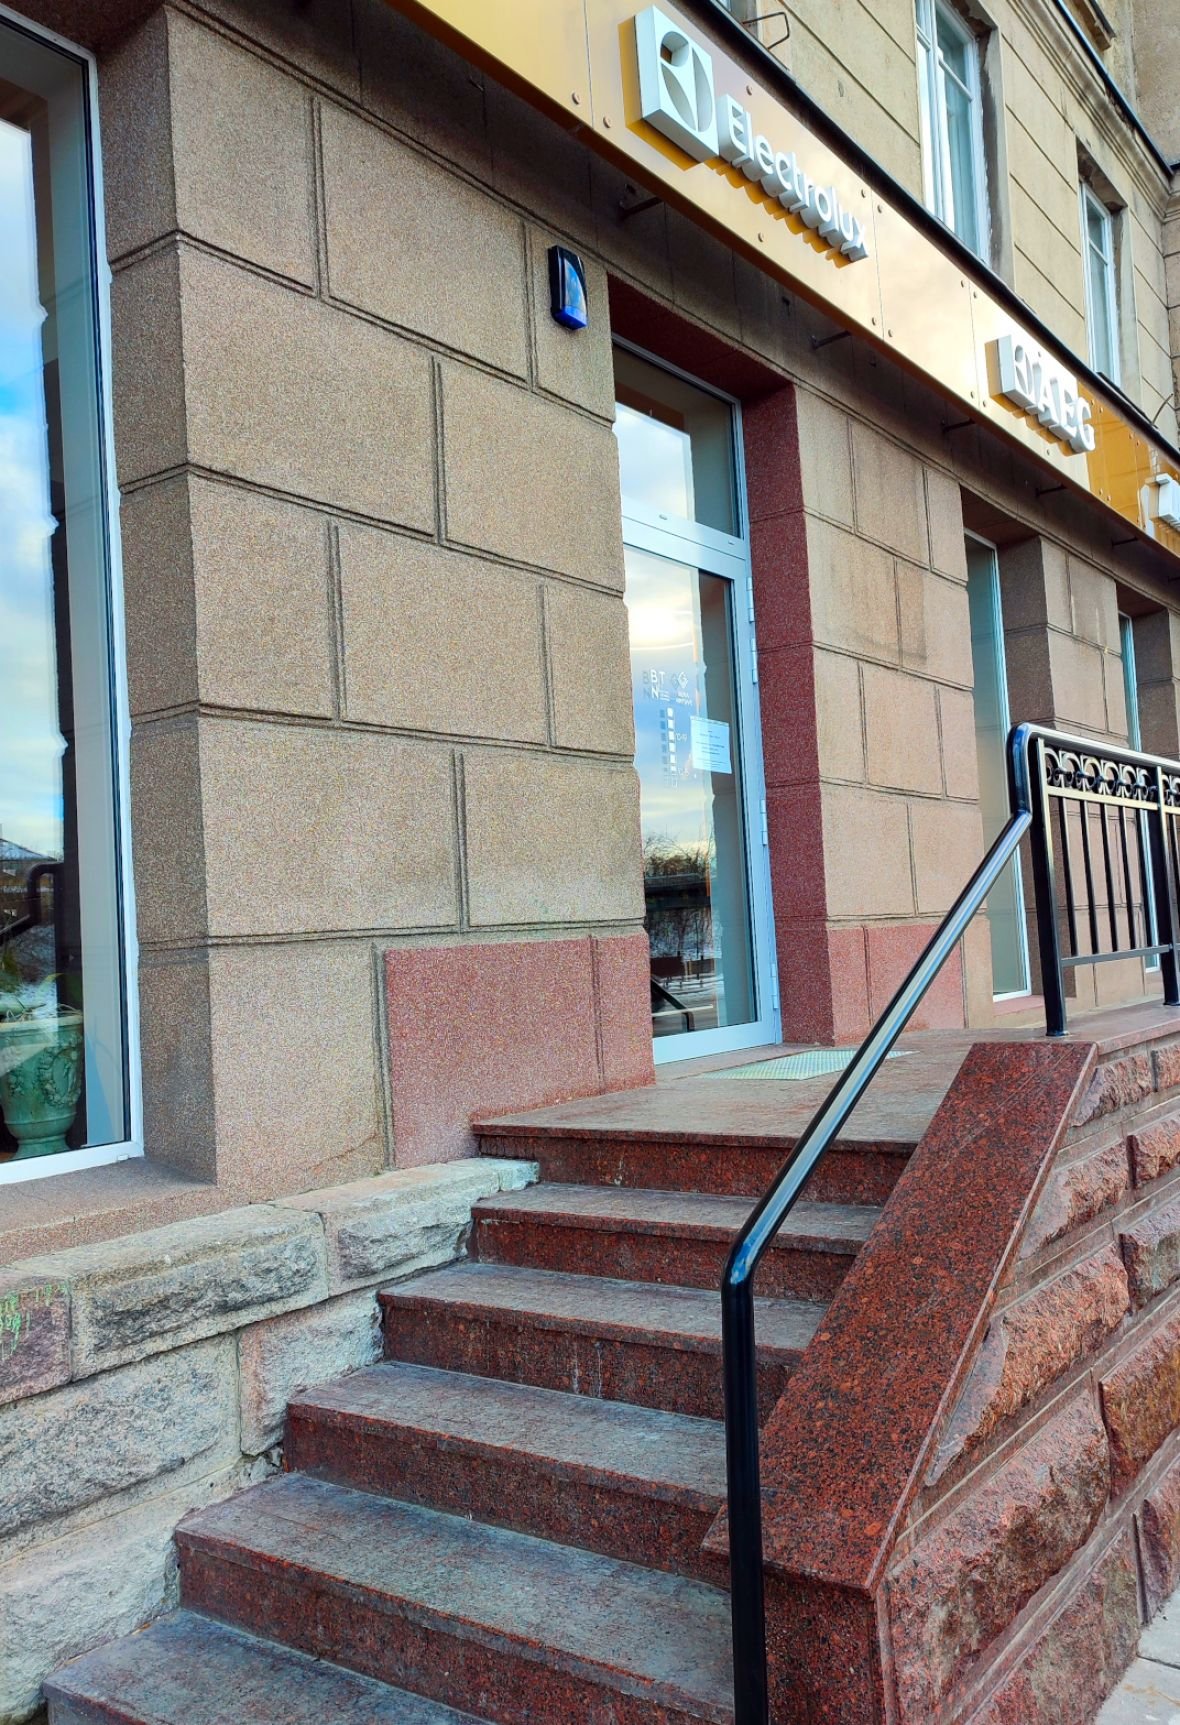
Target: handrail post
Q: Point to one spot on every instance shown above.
(744, 1482)
(1045, 894)
(1163, 886)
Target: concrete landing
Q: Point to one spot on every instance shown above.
(1150, 1692)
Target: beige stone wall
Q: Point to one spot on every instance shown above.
(373, 568)
(374, 574)
(1045, 103)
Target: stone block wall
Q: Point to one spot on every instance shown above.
(373, 567)
(1044, 106)
(866, 681)
(973, 1481)
(144, 1376)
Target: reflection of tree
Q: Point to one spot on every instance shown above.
(679, 918)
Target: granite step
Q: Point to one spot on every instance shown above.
(623, 1481)
(479, 1618)
(620, 1341)
(853, 1171)
(678, 1238)
(189, 1670)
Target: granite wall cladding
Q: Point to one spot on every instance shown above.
(145, 1376)
(983, 1559)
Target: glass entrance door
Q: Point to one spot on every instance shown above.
(1005, 902)
(697, 739)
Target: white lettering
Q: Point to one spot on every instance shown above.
(1033, 380)
(678, 98)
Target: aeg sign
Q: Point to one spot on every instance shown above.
(1034, 380)
(677, 97)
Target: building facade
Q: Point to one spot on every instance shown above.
(526, 530)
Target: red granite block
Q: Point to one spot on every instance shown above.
(1031, 1344)
(969, 1578)
(188, 1670)
(622, 987)
(484, 1027)
(1116, 1084)
(622, 1341)
(1166, 1062)
(681, 1239)
(636, 1483)
(1155, 1149)
(468, 1615)
(782, 601)
(1076, 1193)
(1151, 1247)
(849, 968)
(1141, 1402)
(34, 1336)
(1159, 1540)
(850, 1173)
(774, 478)
(797, 869)
(847, 1447)
(805, 980)
(1078, 1659)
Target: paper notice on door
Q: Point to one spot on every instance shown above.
(709, 741)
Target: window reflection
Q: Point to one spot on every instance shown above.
(62, 1023)
(688, 759)
(675, 446)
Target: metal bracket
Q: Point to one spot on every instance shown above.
(626, 210)
(764, 18)
(818, 341)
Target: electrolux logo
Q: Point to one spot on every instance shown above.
(1034, 380)
(677, 96)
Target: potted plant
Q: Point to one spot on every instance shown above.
(40, 1061)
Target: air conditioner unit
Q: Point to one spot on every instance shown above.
(1167, 506)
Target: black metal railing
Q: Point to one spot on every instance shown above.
(1123, 905)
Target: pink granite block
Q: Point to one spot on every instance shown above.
(485, 1028)
(893, 948)
(622, 971)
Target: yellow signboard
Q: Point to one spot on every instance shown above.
(649, 88)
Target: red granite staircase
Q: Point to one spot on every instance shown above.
(503, 1522)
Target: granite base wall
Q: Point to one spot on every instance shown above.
(145, 1376)
(974, 1505)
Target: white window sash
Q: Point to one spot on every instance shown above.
(1101, 308)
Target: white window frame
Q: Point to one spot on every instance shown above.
(727, 555)
(937, 179)
(1096, 315)
(67, 1162)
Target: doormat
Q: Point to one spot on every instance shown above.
(812, 1064)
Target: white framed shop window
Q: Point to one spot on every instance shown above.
(1102, 307)
(69, 1043)
(950, 101)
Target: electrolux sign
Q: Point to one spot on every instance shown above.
(677, 96)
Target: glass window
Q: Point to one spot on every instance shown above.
(1135, 740)
(63, 1053)
(1005, 905)
(1101, 289)
(951, 113)
(675, 446)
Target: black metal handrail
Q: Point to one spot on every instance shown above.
(1044, 766)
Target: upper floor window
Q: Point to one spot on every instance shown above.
(951, 106)
(1102, 311)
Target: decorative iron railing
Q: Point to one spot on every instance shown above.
(1113, 812)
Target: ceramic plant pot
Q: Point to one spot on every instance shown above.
(40, 1080)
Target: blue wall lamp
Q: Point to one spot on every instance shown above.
(567, 288)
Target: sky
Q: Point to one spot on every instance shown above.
(30, 743)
